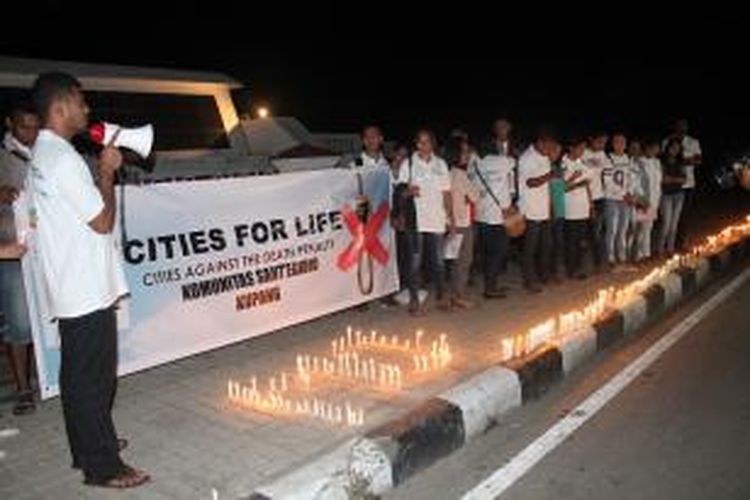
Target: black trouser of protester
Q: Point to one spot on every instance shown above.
(595, 234)
(688, 205)
(428, 247)
(404, 251)
(88, 380)
(494, 241)
(537, 251)
(575, 232)
(557, 260)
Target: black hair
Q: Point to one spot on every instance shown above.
(21, 108)
(51, 87)
(453, 150)
(368, 127)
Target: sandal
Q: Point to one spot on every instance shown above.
(127, 478)
(25, 404)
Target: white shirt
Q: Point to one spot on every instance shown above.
(617, 178)
(432, 179)
(497, 171)
(533, 202)
(577, 202)
(690, 147)
(597, 161)
(653, 172)
(82, 268)
(370, 162)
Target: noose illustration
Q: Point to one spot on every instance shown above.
(365, 275)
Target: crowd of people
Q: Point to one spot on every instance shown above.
(548, 205)
(616, 199)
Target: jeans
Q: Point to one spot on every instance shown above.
(670, 210)
(537, 247)
(494, 242)
(595, 233)
(429, 246)
(462, 265)
(617, 215)
(688, 205)
(575, 232)
(88, 381)
(13, 304)
(643, 230)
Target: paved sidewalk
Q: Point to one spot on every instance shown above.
(184, 431)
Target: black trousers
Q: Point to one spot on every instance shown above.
(537, 252)
(688, 207)
(575, 232)
(494, 242)
(88, 380)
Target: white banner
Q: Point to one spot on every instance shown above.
(214, 262)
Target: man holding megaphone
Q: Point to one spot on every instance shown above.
(84, 276)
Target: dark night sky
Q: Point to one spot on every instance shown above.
(336, 65)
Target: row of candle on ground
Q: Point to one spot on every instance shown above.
(572, 322)
(358, 340)
(250, 397)
(351, 367)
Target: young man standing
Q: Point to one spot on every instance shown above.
(692, 156)
(84, 276)
(15, 157)
(430, 183)
(534, 174)
(493, 177)
(596, 159)
(617, 181)
(372, 149)
(577, 207)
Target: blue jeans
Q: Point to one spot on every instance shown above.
(17, 328)
(617, 215)
(670, 211)
(429, 247)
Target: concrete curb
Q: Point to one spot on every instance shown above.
(388, 455)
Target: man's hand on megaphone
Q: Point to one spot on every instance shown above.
(110, 159)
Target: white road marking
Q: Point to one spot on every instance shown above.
(504, 477)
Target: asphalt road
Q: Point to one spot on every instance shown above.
(680, 430)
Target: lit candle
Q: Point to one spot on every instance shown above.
(373, 336)
(359, 337)
(283, 382)
(349, 336)
(418, 337)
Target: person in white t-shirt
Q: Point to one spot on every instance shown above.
(534, 174)
(84, 275)
(596, 159)
(430, 184)
(617, 184)
(492, 177)
(578, 207)
(646, 214)
(465, 195)
(692, 155)
(372, 149)
(15, 157)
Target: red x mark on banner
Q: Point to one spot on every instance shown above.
(364, 237)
